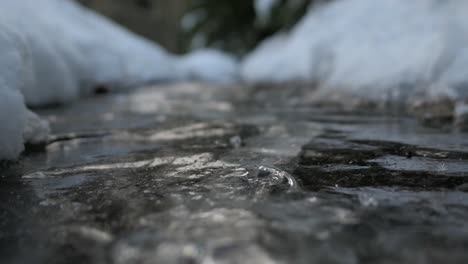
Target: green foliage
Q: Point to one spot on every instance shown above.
(230, 25)
(233, 25)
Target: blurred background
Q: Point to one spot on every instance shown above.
(183, 25)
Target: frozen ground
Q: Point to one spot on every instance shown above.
(203, 174)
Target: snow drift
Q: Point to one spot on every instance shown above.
(209, 65)
(54, 51)
(382, 51)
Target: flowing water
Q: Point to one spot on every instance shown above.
(199, 174)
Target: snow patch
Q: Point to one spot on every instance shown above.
(12, 108)
(208, 65)
(380, 51)
(36, 130)
(13, 120)
(56, 51)
(71, 50)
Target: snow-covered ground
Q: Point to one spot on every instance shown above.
(54, 51)
(209, 65)
(382, 51)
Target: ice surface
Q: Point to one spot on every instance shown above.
(389, 50)
(177, 190)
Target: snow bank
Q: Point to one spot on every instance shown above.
(71, 50)
(12, 108)
(209, 65)
(12, 118)
(54, 51)
(382, 51)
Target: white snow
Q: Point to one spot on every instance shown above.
(386, 50)
(36, 130)
(71, 50)
(12, 118)
(209, 65)
(265, 63)
(54, 51)
(12, 108)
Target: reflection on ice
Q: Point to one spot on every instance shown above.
(208, 190)
(102, 167)
(201, 130)
(445, 166)
(280, 175)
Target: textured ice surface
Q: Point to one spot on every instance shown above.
(388, 50)
(203, 175)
